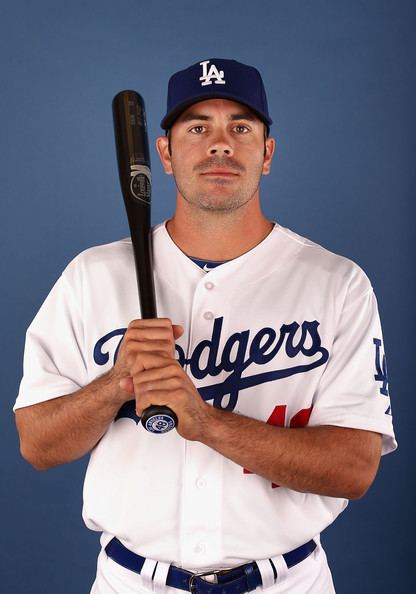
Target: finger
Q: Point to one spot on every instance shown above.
(150, 334)
(158, 339)
(139, 357)
(146, 324)
(177, 331)
(173, 369)
(160, 346)
(158, 397)
(147, 361)
(148, 389)
(140, 331)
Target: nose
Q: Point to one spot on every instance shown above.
(220, 145)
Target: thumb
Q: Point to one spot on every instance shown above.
(126, 384)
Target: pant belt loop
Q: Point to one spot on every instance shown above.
(280, 566)
(266, 572)
(160, 577)
(147, 572)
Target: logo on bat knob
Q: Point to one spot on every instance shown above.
(160, 424)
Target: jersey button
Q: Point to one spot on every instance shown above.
(208, 315)
(209, 285)
(200, 548)
(201, 483)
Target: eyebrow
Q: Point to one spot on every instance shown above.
(193, 115)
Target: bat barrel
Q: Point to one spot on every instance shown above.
(130, 126)
(133, 159)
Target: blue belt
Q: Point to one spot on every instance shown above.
(238, 580)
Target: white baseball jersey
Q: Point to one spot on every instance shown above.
(287, 333)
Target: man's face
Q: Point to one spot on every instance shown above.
(218, 154)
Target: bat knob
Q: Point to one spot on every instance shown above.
(159, 419)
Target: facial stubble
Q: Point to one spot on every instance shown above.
(221, 199)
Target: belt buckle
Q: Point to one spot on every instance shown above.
(204, 575)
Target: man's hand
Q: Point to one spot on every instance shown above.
(147, 370)
(169, 385)
(145, 345)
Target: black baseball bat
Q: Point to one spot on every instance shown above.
(133, 157)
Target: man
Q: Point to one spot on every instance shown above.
(268, 349)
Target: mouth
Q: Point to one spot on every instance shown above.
(220, 173)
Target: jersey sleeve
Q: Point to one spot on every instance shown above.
(53, 363)
(353, 391)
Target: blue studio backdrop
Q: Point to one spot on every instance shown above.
(340, 81)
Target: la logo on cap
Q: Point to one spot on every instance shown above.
(211, 75)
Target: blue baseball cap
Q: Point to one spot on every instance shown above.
(216, 78)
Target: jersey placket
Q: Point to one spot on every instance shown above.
(202, 496)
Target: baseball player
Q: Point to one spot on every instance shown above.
(268, 349)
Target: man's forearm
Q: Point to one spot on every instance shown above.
(332, 461)
(327, 460)
(65, 428)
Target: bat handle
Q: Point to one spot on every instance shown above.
(158, 419)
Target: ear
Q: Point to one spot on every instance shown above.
(162, 147)
(270, 145)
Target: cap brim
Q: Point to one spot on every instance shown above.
(170, 117)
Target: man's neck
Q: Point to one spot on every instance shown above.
(218, 236)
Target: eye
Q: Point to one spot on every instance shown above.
(197, 129)
(241, 129)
